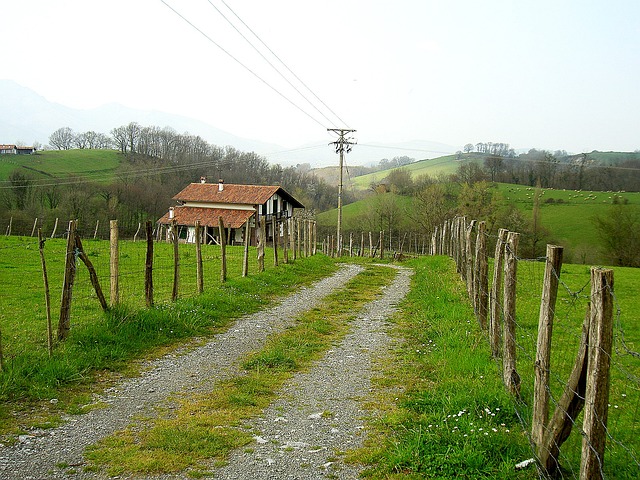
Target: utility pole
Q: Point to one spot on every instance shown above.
(343, 144)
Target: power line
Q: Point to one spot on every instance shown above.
(229, 54)
(271, 64)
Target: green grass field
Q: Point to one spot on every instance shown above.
(97, 165)
(568, 215)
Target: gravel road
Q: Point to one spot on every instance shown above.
(317, 416)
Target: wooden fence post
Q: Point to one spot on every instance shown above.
(468, 267)
(299, 238)
(92, 272)
(285, 241)
(247, 241)
(596, 408)
(199, 272)
(292, 238)
(314, 238)
(481, 276)
(274, 236)
(135, 236)
(47, 296)
(148, 266)
(496, 290)
(510, 375)
(223, 250)
(176, 261)
(64, 323)
(55, 227)
(568, 407)
(113, 263)
(262, 238)
(543, 351)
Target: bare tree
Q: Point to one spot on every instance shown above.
(62, 138)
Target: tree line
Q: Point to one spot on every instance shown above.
(156, 164)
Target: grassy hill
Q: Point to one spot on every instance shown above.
(433, 167)
(99, 165)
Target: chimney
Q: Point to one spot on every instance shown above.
(171, 213)
(220, 185)
(203, 179)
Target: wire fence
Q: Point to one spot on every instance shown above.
(23, 312)
(579, 402)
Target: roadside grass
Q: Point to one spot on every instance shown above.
(103, 344)
(444, 410)
(209, 426)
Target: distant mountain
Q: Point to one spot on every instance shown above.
(27, 117)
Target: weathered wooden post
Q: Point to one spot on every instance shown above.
(55, 227)
(148, 266)
(176, 261)
(64, 324)
(199, 273)
(262, 235)
(47, 296)
(596, 407)
(275, 235)
(93, 276)
(481, 276)
(496, 290)
(223, 251)
(114, 261)
(292, 238)
(510, 375)
(542, 366)
(567, 408)
(299, 238)
(370, 244)
(469, 251)
(247, 241)
(285, 240)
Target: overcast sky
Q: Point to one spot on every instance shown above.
(550, 74)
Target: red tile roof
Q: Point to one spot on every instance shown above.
(208, 216)
(238, 194)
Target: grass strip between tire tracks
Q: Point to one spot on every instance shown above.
(210, 426)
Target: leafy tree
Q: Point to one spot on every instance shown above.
(468, 148)
(400, 181)
(619, 233)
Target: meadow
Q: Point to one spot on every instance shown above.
(97, 165)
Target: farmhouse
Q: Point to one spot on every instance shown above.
(16, 150)
(235, 204)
